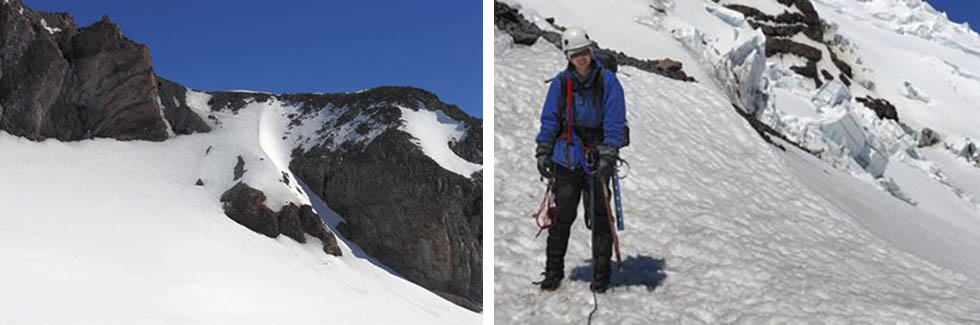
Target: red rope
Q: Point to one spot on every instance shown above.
(545, 216)
(568, 112)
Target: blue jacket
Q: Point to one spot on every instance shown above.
(610, 117)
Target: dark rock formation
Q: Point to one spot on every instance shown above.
(246, 206)
(73, 84)
(882, 107)
(343, 229)
(826, 75)
(841, 65)
(784, 46)
(235, 101)
(524, 32)
(400, 206)
(778, 30)
(928, 137)
(199, 182)
(510, 21)
(665, 67)
(180, 116)
(777, 46)
(807, 20)
(810, 71)
(239, 168)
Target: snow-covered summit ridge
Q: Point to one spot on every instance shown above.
(345, 121)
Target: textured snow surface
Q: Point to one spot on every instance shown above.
(433, 131)
(109, 232)
(720, 226)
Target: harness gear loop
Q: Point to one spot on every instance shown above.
(547, 212)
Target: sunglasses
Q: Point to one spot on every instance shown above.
(580, 54)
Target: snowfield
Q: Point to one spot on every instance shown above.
(108, 232)
(721, 227)
(433, 131)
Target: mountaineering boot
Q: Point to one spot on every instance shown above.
(551, 282)
(599, 286)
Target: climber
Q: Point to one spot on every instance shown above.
(579, 154)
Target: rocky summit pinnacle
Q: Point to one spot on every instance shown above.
(68, 83)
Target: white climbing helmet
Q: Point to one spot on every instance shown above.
(574, 39)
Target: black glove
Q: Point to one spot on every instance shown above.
(607, 161)
(545, 166)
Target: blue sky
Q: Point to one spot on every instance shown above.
(304, 46)
(960, 11)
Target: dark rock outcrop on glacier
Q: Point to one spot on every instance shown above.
(246, 206)
(400, 206)
(882, 108)
(781, 28)
(68, 83)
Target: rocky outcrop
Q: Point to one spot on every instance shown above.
(400, 206)
(59, 81)
(928, 138)
(246, 206)
(881, 107)
(182, 119)
(806, 21)
(810, 71)
(664, 67)
(512, 22)
(780, 28)
(234, 101)
(777, 46)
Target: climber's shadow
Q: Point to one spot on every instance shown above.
(637, 271)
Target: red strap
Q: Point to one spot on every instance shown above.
(545, 216)
(568, 112)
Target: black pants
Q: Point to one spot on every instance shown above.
(570, 186)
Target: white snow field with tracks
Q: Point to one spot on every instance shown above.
(109, 232)
(722, 227)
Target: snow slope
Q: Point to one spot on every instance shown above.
(720, 226)
(109, 232)
(909, 42)
(433, 131)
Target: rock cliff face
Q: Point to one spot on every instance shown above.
(401, 207)
(68, 83)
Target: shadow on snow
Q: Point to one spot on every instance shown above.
(637, 271)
